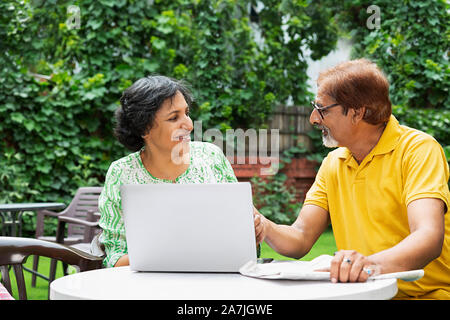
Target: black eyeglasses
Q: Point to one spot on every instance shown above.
(321, 108)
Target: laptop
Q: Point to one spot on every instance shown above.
(189, 227)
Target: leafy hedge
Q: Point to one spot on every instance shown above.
(431, 121)
(411, 45)
(60, 85)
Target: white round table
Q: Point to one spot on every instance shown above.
(123, 284)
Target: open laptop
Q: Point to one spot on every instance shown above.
(189, 227)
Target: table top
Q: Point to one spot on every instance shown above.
(122, 284)
(31, 206)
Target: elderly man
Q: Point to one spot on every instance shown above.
(384, 190)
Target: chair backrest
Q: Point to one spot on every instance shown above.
(14, 252)
(84, 201)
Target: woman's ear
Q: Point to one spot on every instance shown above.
(146, 134)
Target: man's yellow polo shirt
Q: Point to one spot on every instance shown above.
(368, 203)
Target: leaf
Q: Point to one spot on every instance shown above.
(157, 43)
(164, 28)
(246, 95)
(94, 24)
(17, 117)
(150, 66)
(29, 125)
(44, 167)
(107, 3)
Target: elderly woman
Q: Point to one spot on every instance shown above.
(153, 122)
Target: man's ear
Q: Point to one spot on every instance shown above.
(358, 114)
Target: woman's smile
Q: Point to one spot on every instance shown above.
(182, 137)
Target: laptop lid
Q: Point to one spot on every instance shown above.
(189, 227)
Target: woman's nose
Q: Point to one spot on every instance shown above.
(187, 123)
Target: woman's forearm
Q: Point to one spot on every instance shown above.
(123, 261)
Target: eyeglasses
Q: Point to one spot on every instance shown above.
(321, 108)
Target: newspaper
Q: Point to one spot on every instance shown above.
(307, 270)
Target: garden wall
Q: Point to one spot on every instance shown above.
(300, 174)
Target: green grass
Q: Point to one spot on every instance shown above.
(324, 245)
(40, 292)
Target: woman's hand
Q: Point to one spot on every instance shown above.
(352, 266)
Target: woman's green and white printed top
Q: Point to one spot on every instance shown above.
(207, 165)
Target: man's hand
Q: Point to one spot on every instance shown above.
(260, 227)
(352, 266)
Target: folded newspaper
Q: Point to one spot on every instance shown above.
(306, 270)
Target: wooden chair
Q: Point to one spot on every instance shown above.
(14, 252)
(81, 218)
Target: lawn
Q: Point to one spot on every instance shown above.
(325, 245)
(40, 292)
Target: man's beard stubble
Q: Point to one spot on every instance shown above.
(327, 139)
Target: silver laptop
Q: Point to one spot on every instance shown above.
(189, 227)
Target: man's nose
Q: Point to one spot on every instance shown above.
(314, 118)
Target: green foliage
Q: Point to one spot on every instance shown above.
(60, 83)
(411, 46)
(433, 122)
(275, 199)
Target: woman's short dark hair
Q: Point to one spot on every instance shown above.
(139, 104)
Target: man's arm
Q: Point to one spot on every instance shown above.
(420, 247)
(296, 240)
(423, 245)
